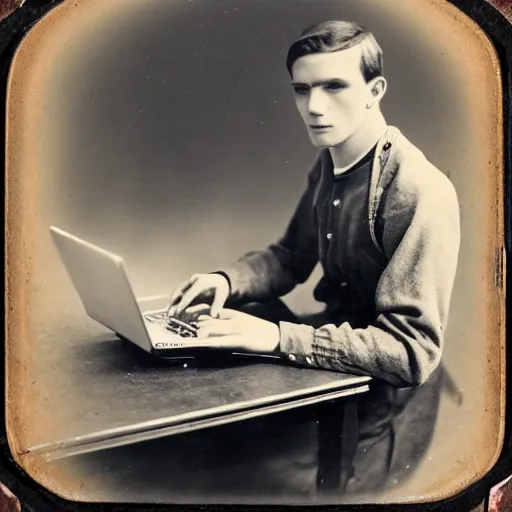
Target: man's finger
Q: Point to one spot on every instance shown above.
(228, 314)
(203, 320)
(218, 303)
(208, 323)
(178, 293)
(187, 298)
(186, 286)
(175, 298)
(197, 310)
(192, 313)
(215, 329)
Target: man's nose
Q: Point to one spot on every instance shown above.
(315, 103)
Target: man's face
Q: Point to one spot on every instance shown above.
(331, 94)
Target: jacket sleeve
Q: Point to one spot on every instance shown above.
(421, 238)
(277, 269)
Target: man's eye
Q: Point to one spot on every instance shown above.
(334, 87)
(301, 90)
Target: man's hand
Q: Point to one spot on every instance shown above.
(200, 287)
(239, 331)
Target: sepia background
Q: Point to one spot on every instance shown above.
(166, 133)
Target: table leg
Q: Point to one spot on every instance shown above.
(337, 440)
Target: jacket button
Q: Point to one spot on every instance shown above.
(329, 236)
(336, 203)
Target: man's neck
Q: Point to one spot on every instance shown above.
(360, 143)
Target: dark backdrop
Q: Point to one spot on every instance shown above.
(178, 133)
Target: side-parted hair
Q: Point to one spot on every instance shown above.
(333, 36)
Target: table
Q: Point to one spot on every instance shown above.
(116, 394)
(281, 432)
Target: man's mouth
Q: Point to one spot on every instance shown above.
(320, 126)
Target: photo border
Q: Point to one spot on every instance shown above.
(34, 497)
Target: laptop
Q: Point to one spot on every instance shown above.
(102, 284)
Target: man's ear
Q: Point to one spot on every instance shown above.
(377, 88)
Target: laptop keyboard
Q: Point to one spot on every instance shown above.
(183, 329)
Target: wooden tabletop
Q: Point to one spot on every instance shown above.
(111, 393)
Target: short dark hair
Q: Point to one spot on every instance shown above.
(333, 36)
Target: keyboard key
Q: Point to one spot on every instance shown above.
(174, 325)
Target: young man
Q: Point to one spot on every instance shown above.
(381, 219)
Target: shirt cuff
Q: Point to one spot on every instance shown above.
(296, 343)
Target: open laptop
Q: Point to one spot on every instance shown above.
(102, 284)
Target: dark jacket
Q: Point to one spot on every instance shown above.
(414, 223)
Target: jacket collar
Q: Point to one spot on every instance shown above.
(382, 172)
